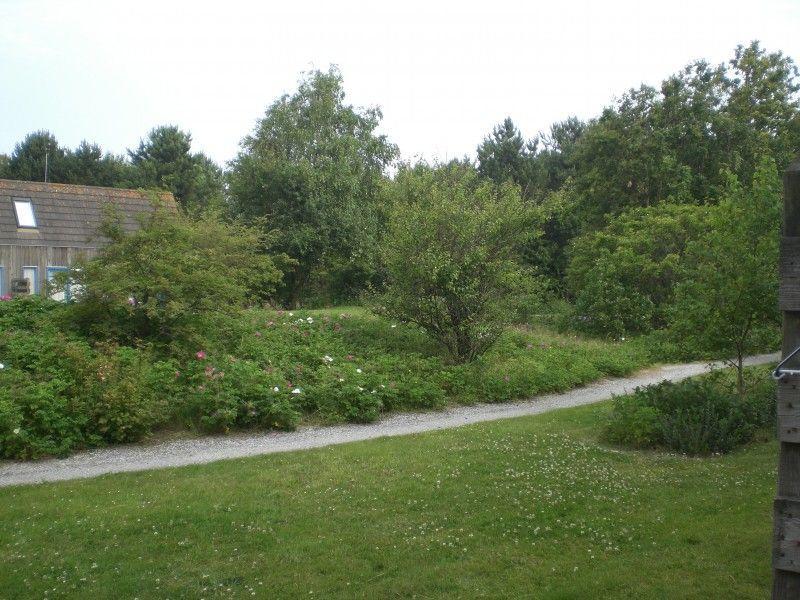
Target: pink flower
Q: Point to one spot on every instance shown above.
(200, 355)
(258, 334)
(271, 324)
(5, 297)
(349, 357)
(177, 374)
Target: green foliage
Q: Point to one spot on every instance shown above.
(227, 393)
(176, 282)
(85, 165)
(673, 144)
(697, 416)
(623, 277)
(314, 167)
(165, 161)
(451, 253)
(730, 294)
(62, 393)
(505, 156)
(57, 393)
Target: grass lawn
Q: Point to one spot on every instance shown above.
(526, 508)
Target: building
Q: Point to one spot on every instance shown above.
(45, 227)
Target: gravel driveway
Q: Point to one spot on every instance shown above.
(208, 449)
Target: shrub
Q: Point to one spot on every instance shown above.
(229, 392)
(451, 253)
(174, 283)
(697, 416)
(622, 277)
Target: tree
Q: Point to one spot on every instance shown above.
(165, 161)
(451, 253)
(506, 156)
(27, 162)
(763, 109)
(671, 144)
(730, 295)
(4, 174)
(87, 165)
(554, 163)
(311, 172)
(622, 278)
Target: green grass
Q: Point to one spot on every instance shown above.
(525, 508)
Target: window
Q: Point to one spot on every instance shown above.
(23, 209)
(32, 275)
(62, 295)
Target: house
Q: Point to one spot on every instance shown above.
(45, 227)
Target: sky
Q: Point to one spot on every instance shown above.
(444, 73)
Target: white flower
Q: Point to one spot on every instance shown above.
(297, 391)
(309, 320)
(16, 431)
(341, 378)
(358, 371)
(291, 314)
(360, 389)
(327, 359)
(393, 325)
(276, 389)
(2, 366)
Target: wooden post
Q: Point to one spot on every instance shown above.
(786, 511)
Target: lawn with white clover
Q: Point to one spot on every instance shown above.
(534, 507)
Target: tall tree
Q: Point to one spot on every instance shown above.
(764, 109)
(673, 143)
(505, 156)
(88, 165)
(28, 159)
(165, 160)
(313, 168)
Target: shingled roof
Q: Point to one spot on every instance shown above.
(69, 215)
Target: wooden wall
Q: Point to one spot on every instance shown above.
(13, 258)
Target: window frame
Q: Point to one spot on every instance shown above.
(35, 286)
(14, 202)
(67, 291)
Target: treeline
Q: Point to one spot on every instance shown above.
(163, 160)
(619, 198)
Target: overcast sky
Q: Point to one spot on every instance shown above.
(443, 72)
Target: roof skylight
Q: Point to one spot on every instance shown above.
(24, 211)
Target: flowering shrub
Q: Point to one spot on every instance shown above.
(228, 393)
(59, 392)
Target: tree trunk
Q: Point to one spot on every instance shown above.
(740, 376)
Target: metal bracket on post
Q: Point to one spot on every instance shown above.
(779, 372)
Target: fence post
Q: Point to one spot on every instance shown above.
(786, 510)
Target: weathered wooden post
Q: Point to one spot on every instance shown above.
(786, 515)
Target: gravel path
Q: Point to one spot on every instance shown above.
(208, 449)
